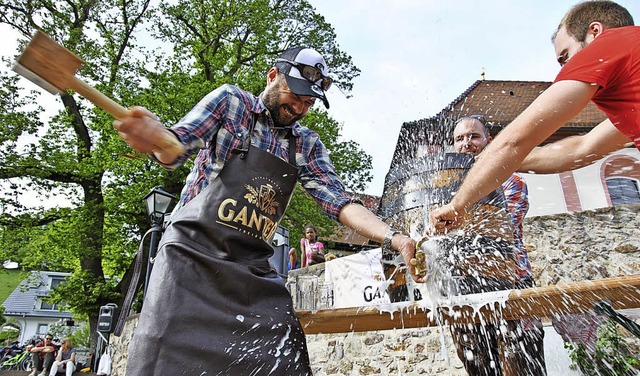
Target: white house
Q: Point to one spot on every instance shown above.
(613, 180)
(26, 304)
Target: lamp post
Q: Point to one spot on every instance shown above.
(158, 201)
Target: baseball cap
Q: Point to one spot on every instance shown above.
(286, 64)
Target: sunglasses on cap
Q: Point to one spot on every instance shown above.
(310, 73)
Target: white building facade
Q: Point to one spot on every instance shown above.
(613, 180)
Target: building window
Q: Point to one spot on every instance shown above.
(48, 306)
(42, 329)
(55, 281)
(623, 191)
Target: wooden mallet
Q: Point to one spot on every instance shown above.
(53, 67)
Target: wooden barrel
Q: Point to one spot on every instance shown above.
(414, 189)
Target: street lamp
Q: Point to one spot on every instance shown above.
(158, 201)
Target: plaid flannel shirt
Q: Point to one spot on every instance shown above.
(229, 112)
(515, 192)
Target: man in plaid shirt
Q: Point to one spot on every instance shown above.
(472, 136)
(221, 122)
(214, 254)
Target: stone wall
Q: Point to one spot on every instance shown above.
(119, 346)
(563, 248)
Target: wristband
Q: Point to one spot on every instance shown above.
(386, 243)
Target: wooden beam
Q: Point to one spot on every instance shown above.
(620, 292)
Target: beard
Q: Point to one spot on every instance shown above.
(282, 115)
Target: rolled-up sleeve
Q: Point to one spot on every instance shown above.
(320, 180)
(198, 126)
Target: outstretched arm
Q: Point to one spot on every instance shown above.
(553, 108)
(576, 151)
(365, 223)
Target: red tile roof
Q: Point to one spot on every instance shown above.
(503, 101)
(500, 102)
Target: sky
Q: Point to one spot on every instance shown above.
(417, 56)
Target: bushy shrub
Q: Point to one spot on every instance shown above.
(612, 356)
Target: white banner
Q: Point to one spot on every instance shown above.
(356, 280)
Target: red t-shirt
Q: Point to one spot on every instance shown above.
(612, 61)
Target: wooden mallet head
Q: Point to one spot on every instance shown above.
(53, 67)
(48, 64)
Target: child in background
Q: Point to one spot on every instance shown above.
(312, 250)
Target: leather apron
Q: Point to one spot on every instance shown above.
(214, 305)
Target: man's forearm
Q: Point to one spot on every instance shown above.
(362, 221)
(574, 152)
(556, 157)
(365, 223)
(494, 166)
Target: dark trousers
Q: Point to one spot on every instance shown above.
(500, 348)
(507, 349)
(42, 364)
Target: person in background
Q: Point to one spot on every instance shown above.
(599, 51)
(42, 356)
(65, 360)
(293, 259)
(311, 249)
(519, 345)
(212, 282)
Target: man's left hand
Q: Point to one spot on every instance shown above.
(407, 247)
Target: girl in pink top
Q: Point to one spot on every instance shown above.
(311, 249)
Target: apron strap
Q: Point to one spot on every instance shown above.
(133, 285)
(246, 144)
(289, 136)
(292, 148)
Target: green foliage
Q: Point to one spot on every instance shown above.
(9, 280)
(352, 163)
(236, 42)
(7, 336)
(72, 156)
(302, 211)
(83, 293)
(79, 335)
(612, 356)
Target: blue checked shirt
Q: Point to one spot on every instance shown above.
(229, 112)
(516, 192)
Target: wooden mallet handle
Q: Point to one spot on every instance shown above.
(168, 143)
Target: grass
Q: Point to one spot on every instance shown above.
(9, 280)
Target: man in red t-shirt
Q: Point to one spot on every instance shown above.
(42, 356)
(599, 49)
